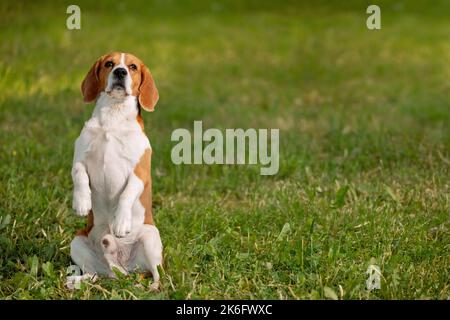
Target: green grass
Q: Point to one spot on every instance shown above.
(364, 119)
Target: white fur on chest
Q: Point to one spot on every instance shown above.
(110, 145)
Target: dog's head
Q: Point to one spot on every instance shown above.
(120, 75)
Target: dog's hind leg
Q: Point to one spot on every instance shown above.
(87, 259)
(149, 253)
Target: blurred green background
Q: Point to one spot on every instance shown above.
(364, 119)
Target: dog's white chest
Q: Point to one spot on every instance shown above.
(111, 155)
(109, 160)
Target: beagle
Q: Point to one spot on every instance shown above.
(111, 172)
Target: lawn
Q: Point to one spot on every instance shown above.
(364, 120)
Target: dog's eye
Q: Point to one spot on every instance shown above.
(109, 64)
(133, 66)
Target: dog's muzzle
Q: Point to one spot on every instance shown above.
(120, 73)
(119, 76)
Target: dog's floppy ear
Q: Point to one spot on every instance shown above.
(148, 94)
(90, 86)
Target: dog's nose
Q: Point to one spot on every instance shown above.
(120, 73)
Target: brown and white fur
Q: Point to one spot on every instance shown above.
(111, 172)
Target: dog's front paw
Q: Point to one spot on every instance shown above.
(122, 224)
(82, 203)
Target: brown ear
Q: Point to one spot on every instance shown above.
(90, 86)
(148, 94)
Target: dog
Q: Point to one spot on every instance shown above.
(111, 173)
